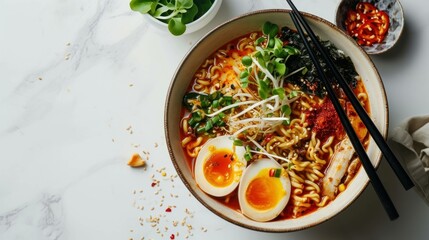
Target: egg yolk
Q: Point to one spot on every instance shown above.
(264, 192)
(219, 167)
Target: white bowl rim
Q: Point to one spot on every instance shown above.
(183, 178)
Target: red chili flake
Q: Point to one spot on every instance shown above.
(153, 184)
(168, 209)
(325, 122)
(172, 236)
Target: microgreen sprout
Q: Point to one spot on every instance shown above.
(270, 60)
(176, 13)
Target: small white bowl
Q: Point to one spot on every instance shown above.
(190, 27)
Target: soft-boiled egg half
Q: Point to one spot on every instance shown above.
(264, 190)
(219, 166)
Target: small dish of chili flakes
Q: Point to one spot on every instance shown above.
(376, 25)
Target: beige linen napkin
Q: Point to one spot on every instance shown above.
(410, 142)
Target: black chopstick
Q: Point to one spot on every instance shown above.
(372, 129)
(360, 150)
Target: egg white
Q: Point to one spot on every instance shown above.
(219, 143)
(249, 174)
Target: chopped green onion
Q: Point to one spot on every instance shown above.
(215, 119)
(201, 130)
(192, 122)
(209, 125)
(215, 95)
(248, 154)
(227, 100)
(237, 142)
(197, 116)
(215, 103)
(275, 172)
(304, 71)
(204, 100)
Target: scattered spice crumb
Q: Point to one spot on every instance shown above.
(136, 161)
(157, 214)
(129, 129)
(40, 78)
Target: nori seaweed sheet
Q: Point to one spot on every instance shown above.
(310, 81)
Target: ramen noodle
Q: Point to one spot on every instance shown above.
(303, 141)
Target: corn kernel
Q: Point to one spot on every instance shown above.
(342, 187)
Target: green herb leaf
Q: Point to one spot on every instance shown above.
(176, 27)
(270, 29)
(247, 61)
(280, 68)
(259, 41)
(185, 3)
(160, 11)
(189, 15)
(263, 89)
(279, 91)
(244, 79)
(286, 110)
(142, 6)
(293, 94)
(203, 7)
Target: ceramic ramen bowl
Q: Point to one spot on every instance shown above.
(229, 31)
(394, 10)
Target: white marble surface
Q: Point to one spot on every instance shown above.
(82, 88)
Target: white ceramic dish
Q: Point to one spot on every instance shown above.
(190, 27)
(238, 27)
